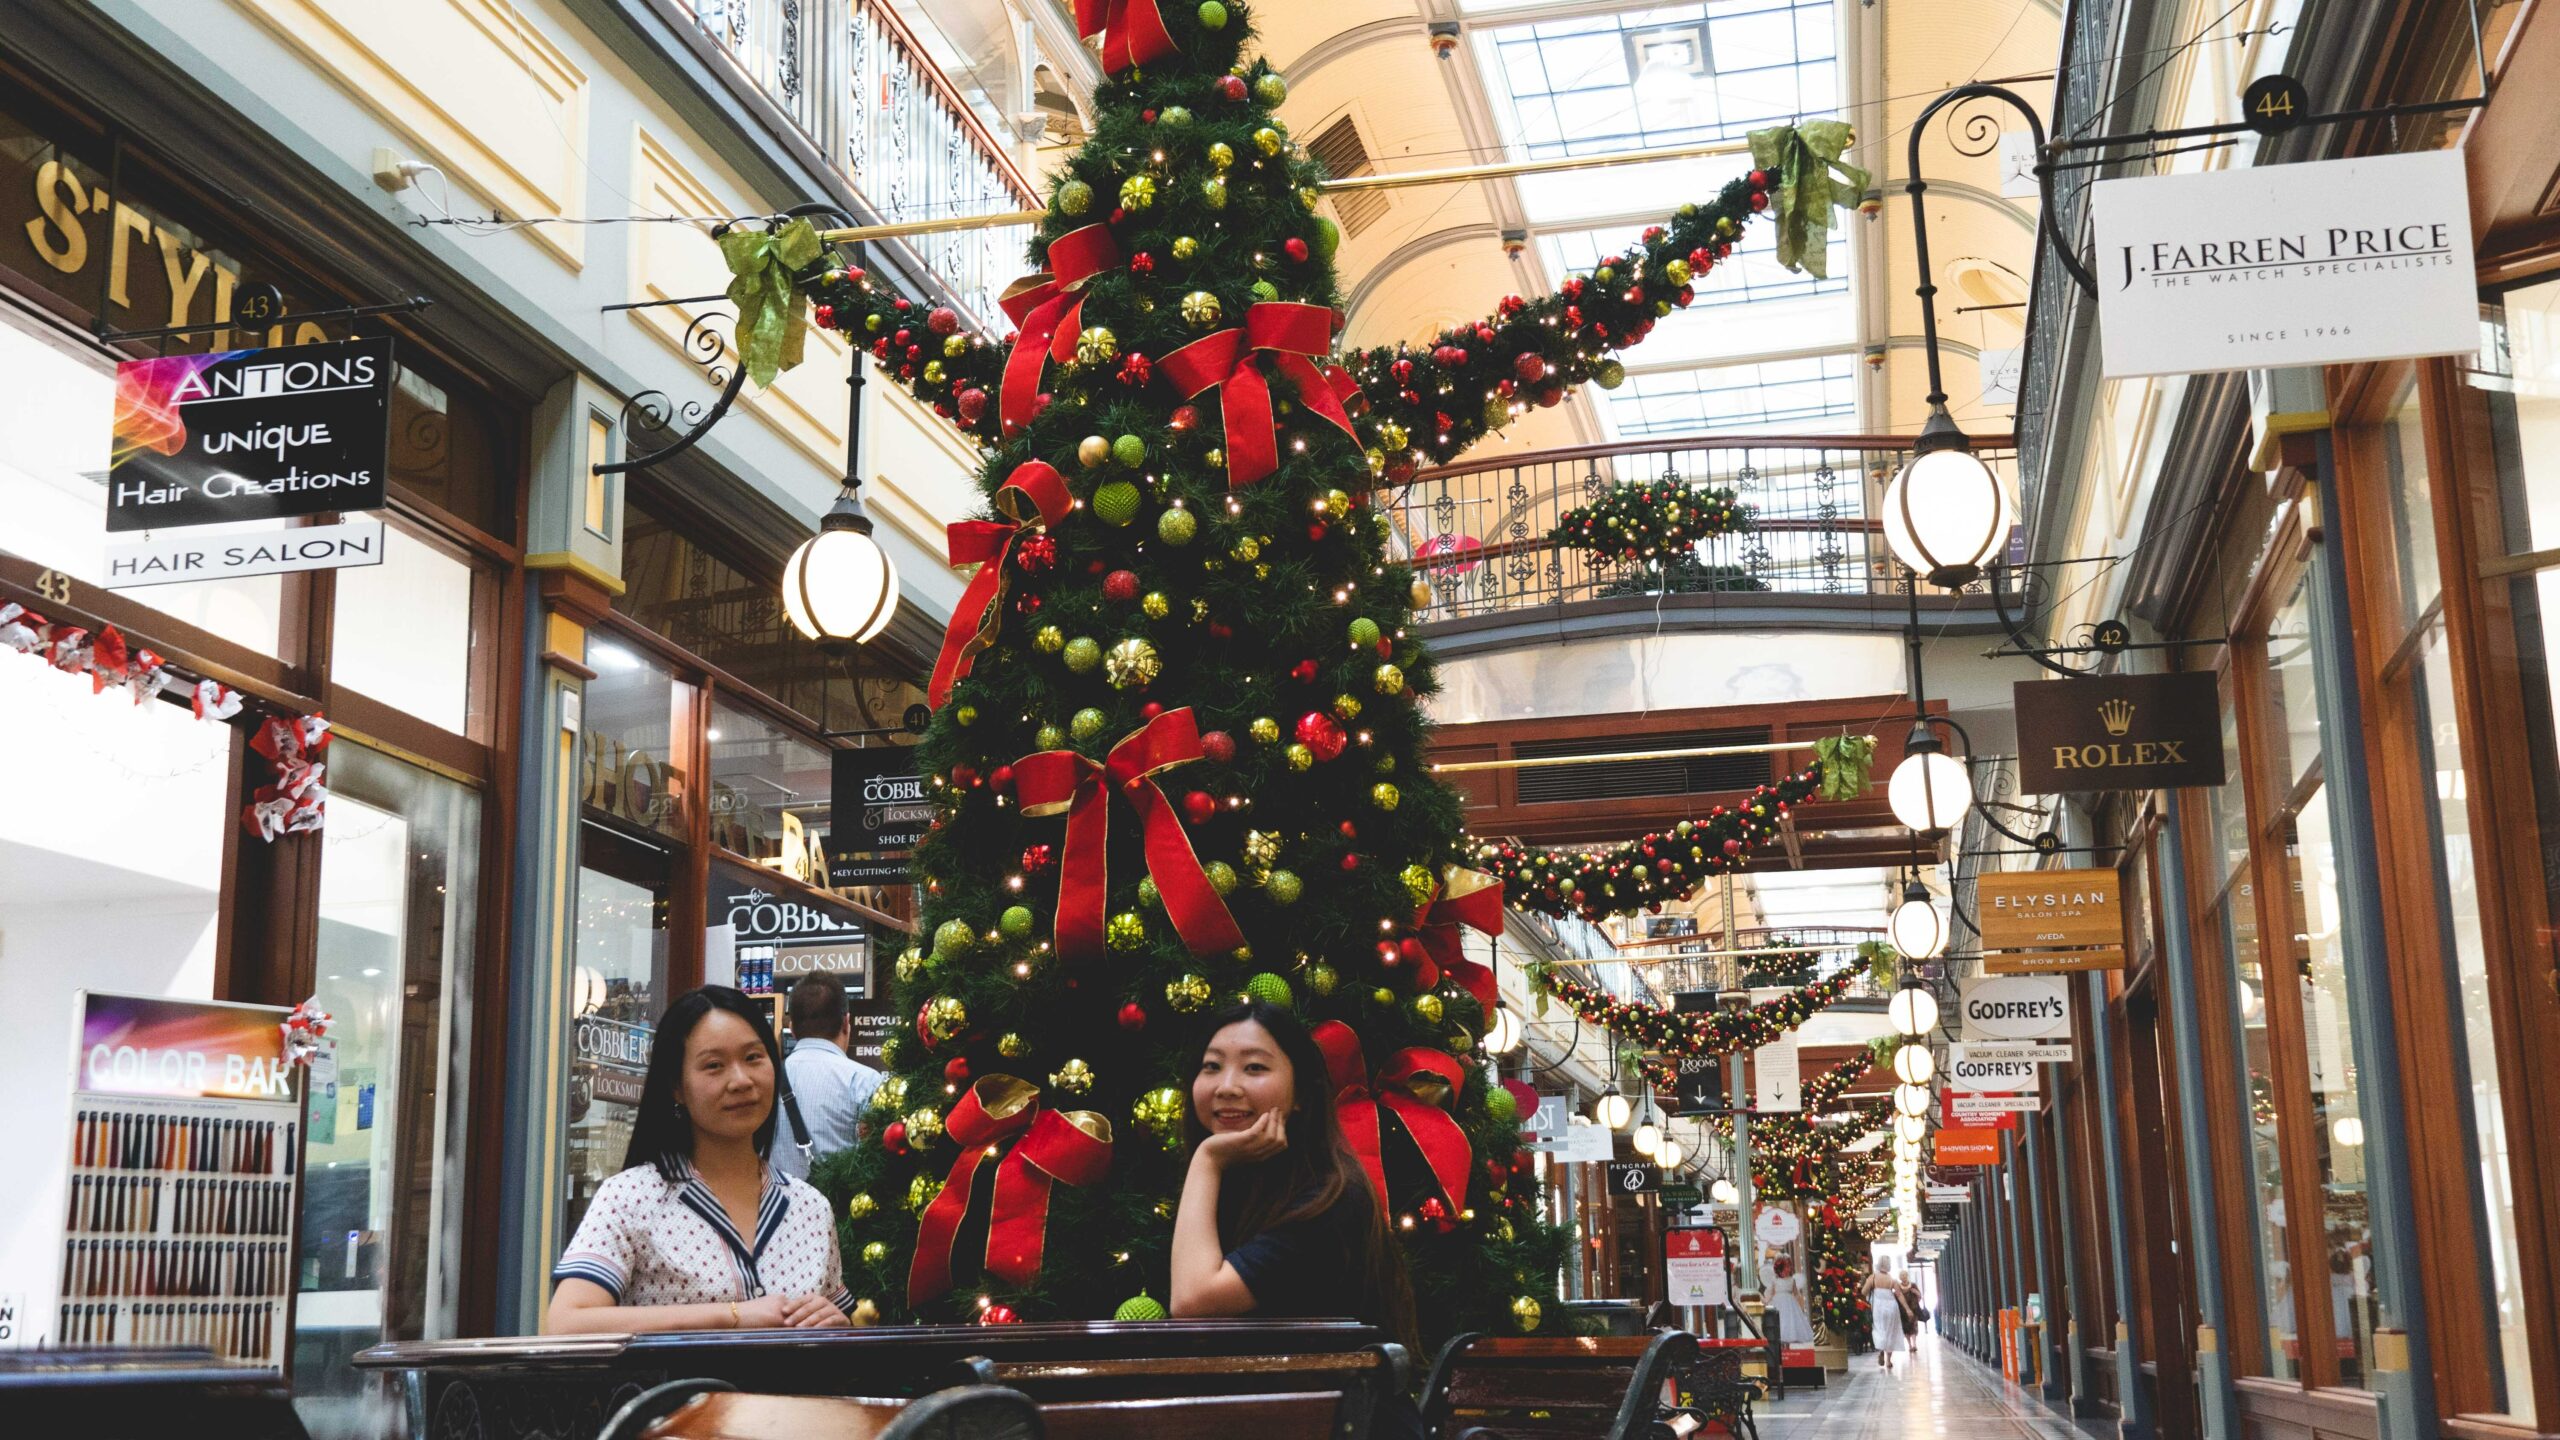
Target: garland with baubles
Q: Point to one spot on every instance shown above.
(1717, 1032)
(1651, 521)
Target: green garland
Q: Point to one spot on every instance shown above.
(1716, 1032)
(1656, 521)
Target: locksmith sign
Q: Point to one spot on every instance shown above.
(250, 435)
(2119, 732)
(2318, 263)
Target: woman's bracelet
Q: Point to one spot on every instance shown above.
(734, 1322)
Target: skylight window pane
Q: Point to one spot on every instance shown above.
(1818, 393)
(1761, 38)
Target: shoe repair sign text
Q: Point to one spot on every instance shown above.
(250, 435)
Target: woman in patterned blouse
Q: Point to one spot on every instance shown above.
(698, 1232)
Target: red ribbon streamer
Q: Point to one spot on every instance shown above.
(1471, 898)
(1288, 334)
(1056, 780)
(1047, 310)
(1034, 494)
(1072, 1147)
(1444, 1148)
(1132, 31)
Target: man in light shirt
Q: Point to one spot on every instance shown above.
(831, 1086)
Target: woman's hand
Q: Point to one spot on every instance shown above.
(812, 1312)
(765, 1312)
(1267, 1136)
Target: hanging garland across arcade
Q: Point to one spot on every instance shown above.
(1716, 1032)
(1668, 866)
(1653, 521)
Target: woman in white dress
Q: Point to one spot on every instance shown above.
(1884, 1310)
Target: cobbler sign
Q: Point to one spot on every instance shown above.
(250, 435)
(2319, 263)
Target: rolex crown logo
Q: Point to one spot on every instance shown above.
(2116, 715)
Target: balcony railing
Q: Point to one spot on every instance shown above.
(1670, 967)
(856, 83)
(1479, 530)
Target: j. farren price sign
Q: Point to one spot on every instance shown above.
(250, 435)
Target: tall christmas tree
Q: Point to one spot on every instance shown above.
(1178, 750)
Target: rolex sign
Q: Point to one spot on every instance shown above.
(2119, 732)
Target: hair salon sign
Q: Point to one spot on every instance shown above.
(2318, 263)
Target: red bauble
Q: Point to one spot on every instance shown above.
(1036, 858)
(1120, 586)
(1221, 630)
(1000, 779)
(1431, 1208)
(1036, 555)
(1295, 249)
(1315, 530)
(1304, 672)
(1185, 417)
(964, 776)
(902, 302)
(1148, 115)
(1572, 287)
(1351, 861)
(894, 1137)
(1733, 847)
(1218, 746)
(1199, 806)
(1388, 955)
(1759, 200)
(1759, 179)
(825, 315)
(1318, 732)
(1136, 369)
(943, 321)
(998, 1315)
(1151, 710)
(973, 404)
(1349, 830)
(1133, 1017)
(1142, 263)
(1530, 367)
(956, 1069)
(1231, 88)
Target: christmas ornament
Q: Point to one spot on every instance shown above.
(1137, 193)
(952, 939)
(924, 1126)
(1175, 117)
(1500, 1106)
(921, 1192)
(1133, 1017)
(1231, 88)
(999, 1315)
(1116, 503)
(1526, 1312)
(1083, 653)
(1221, 154)
(1049, 640)
(1177, 527)
(1385, 795)
(1301, 757)
(860, 1205)
(1213, 192)
(1184, 246)
(1132, 664)
(889, 1094)
(1125, 931)
(1186, 993)
(1283, 888)
(1141, 1308)
(1200, 308)
(1074, 198)
(1221, 876)
(875, 1255)
(1263, 729)
(1130, 451)
(1159, 1112)
(1428, 1008)
(1155, 606)
(1074, 1077)
(1362, 633)
(1012, 1046)
(1270, 989)
(1120, 586)
(1388, 679)
(1092, 452)
(1267, 140)
(1096, 344)
(944, 1017)
(1015, 923)
(1321, 978)
(1270, 89)
(1318, 732)
(1048, 737)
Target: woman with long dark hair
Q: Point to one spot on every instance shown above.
(698, 1231)
(1277, 1217)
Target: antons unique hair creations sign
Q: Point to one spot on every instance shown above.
(250, 435)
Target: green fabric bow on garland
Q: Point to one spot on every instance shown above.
(1803, 159)
(1843, 763)
(773, 323)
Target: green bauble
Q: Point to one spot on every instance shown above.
(1321, 978)
(1130, 451)
(1177, 527)
(1362, 633)
(1174, 116)
(1074, 198)
(1083, 653)
(1125, 931)
(965, 715)
(1116, 503)
(1265, 291)
(953, 938)
(1213, 192)
(1382, 997)
(1141, 1308)
(1419, 887)
(1270, 989)
(1213, 16)
(1085, 723)
(1610, 374)
(1270, 89)
(1049, 737)
(1428, 1008)
(1283, 887)
(1015, 923)
(1328, 237)
(1148, 895)
(1221, 876)
(1501, 1106)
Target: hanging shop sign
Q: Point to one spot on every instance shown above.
(144, 1046)
(1969, 1069)
(2323, 262)
(1701, 1088)
(1947, 1194)
(1962, 1110)
(2013, 1007)
(752, 926)
(880, 813)
(1959, 1147)
(2119, 732)
(1586, 1141)
(250, 435)
(176, 558)
(1777, 1076)
(1777, 1226)
(1693, 1265)
(1634, 1177)
(2013, 1052)
(2046, 920)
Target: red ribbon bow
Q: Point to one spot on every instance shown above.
(1288, 334)
(1133, 32)
(1471, 898)
(1034, 494)
(1364, 1110)
(1047, 311)
(1071, 1146)
(1056, 780)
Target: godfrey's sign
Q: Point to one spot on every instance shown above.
(880, 813)
(2266, 266)
(2119, 732)
(250, 435)
(2013, 1007)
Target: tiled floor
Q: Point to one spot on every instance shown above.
(1940, 1392)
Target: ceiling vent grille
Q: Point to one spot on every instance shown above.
(1625, 779)
(1339, 149)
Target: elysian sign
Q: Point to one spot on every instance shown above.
(2041, 920)
(2319, 263)
(2119, 732)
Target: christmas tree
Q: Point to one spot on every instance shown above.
(1178, 750)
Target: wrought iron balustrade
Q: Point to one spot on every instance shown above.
(858, 85)
(1669, 968)
(1480, 530)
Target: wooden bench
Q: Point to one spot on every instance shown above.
(1592, 1387)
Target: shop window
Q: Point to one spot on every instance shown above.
(771, 793)
(635, 711)
(619, 988)
(449, 449)
(386, 1109)
(403, 631)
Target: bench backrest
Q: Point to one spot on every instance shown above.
(1307, 1415)
(1603, 1385)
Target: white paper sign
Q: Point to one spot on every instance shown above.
(1999, 364)
(1975, 1109)
(1776, 1227)
(1947, 1194)
(1777, 1076)
(2014, 1007)
(178, 556)
(1967, 1070)
(2018, 166)
(2318, 263)
(1586, 1141)
(2020, 1052)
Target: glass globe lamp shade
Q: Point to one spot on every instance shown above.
(1911, 1099)
(1945, 515)
(1905, 1149)
(1914, 1065)
(1723, 1193)
(1914, 1128)
(1648, 1138)
(1668, 1155)
(1929, 791)
(840, 588)
(1612, 1109)
(1503, 1035)
(1916, 928)
(1914, 1010)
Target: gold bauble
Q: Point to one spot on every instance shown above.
(1184, 247)
(1093, 346)
(1073, 1078)
(1125, 931)
(866, 1313)
(889, 1094)
(1215, 459)
(1419, 887)
(1421, 595)
(1159, 1113)
(1201, 308)
(1138, 192)
(1048, 737)
(1301, 758)
(1092, 451)
(1676, 271)
(1186, 993)
(1012, 1046)
(954, 346)
(1132, 664)
(944, 1017)
(910, 965)
(1307, 197)
(1267, 140)
(1526, 1312)
(1221, 155)
(1213, 192)
(1392, 435)
(1389, 679)
(924, 1125)
(1428, 1008)
(1264, 729)
(1048, 639)
(1155, 606)
(933, 372)
(1220, 875)
(875, 1255)
(1261, 847)
(1321, 978)
(1346, 706)
(921, 1190)
(1337, 504)
(1385, 795)
(861, 1205)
